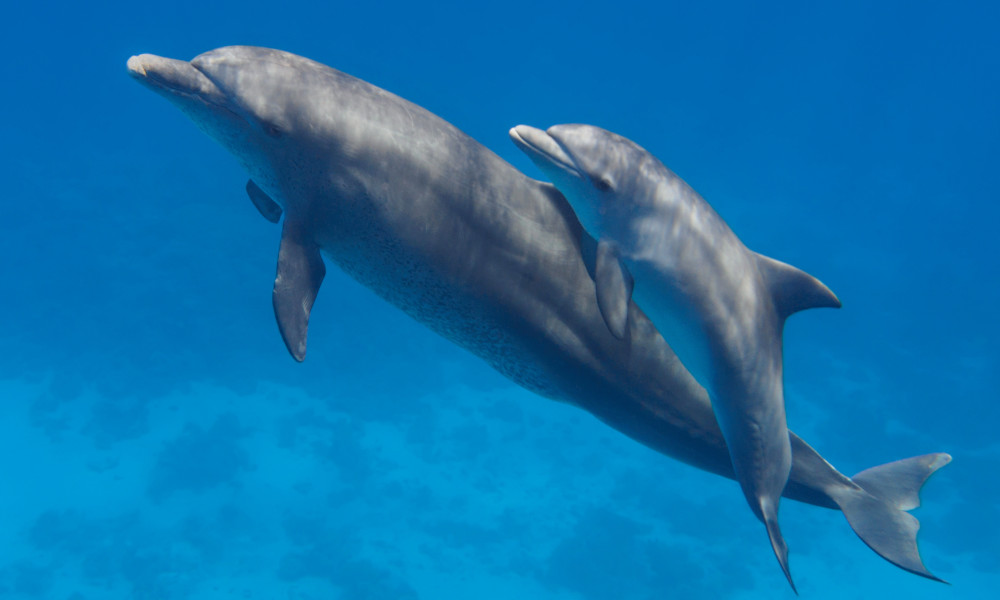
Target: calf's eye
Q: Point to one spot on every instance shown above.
(602, 184)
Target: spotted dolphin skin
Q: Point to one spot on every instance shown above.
(719, 305)
(492, 260)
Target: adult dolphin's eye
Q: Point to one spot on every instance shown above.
(272, 131)
(602, 184)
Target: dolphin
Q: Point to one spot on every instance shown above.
(720, 306)
(487, 257)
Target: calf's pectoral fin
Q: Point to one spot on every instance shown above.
(614, 288)
(268, 208)
(300, 273)
(792, 289)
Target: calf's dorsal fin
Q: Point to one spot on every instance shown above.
(793, 289)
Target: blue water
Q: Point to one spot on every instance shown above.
(157, 442)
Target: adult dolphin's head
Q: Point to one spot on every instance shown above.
(222, 91)
(270, 108)
(591, 167)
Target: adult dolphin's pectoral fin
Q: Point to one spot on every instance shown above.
(793, 289)
(614, 288)
(300, 273)
(268, 208)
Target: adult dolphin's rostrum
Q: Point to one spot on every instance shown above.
(493, 260)
(720, 306)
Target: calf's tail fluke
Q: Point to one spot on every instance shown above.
(770, 518)
(877, 508)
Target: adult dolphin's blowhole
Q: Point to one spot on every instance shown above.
(460, 240)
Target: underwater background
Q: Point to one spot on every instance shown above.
(157, 441)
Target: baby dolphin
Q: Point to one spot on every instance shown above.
(719, 305)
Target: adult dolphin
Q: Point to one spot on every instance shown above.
(721, 306)
(496, 262)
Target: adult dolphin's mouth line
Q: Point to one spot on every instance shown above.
(177, 76)
(172, 77)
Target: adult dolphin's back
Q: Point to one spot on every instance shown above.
(443, 228)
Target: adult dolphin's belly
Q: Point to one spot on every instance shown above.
(501, 268)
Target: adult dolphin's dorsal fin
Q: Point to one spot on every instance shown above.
(614, 288)
(268, 208)
(300, 273)
(792, 289)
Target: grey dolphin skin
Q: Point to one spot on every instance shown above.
(492, 260)
(720, 306)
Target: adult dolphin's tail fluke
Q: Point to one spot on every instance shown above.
(875, 502)
(494, 261)
(878, 512)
